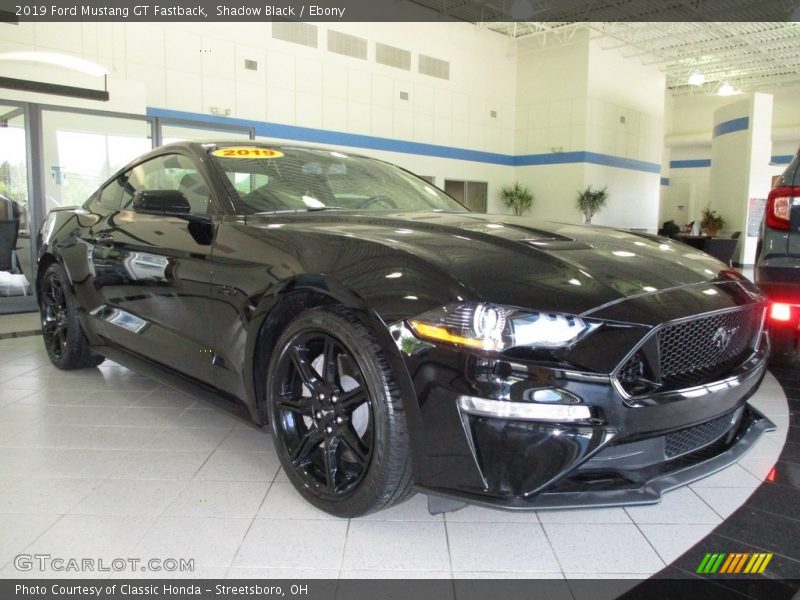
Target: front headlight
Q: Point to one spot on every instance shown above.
(493, 327)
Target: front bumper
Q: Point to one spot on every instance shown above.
(619, 455)
(590, 488)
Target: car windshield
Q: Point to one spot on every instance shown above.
(265, 180)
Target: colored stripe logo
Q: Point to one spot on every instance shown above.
(732, 563)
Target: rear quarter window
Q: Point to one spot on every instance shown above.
(110, 196)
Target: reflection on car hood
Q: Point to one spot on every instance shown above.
(514, 260)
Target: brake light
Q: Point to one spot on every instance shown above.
(779, 206)
(780, 312)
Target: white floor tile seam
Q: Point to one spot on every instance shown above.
(33, 541)
(552, 548)
(344, 547)
(10, 562)
(711, 506)
(652, 546)
(249, 528)
(718, 520)
(449, 547)
(495, 515)
(758, 472)
(100, 481)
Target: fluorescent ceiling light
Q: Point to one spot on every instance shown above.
(697, 78)
(60, 60)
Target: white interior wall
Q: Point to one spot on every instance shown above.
(551, 96)
(555, 188)
(576, 97)
(626, 119)
(191, 67)
(552, 112)
(626, 90)
(564, 96)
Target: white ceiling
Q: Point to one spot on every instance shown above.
(748, 56)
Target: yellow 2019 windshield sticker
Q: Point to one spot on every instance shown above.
(246, 152)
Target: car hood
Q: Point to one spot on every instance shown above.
(525, 262)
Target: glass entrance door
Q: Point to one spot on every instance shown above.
(16, 289)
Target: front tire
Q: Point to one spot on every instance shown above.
(336, 415)
(63, 335)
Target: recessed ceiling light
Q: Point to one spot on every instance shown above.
(697, 78)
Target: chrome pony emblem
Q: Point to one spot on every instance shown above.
(723, 336)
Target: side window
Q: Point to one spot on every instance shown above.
(169, 172)
(110, 196)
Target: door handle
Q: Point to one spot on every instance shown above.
(104, 239)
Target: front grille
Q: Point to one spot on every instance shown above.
(692, 352)
(632, 377)
(701, 350)
(690, 439)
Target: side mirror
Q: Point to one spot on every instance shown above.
(161, 202)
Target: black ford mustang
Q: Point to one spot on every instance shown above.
(394, 341)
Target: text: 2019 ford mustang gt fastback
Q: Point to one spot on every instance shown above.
(394, 341)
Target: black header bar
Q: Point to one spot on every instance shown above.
(399, 10)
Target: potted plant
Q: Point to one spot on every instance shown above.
(711, 221)
(590, 201)
(517, 197)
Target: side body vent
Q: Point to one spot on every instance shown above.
(296, 33)
(392, 56)
(349, 45)
(435, 67)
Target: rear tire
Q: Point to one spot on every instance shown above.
(63, 335)
(336, 415)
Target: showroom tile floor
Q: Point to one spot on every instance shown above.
(105, 463)
(770, 518)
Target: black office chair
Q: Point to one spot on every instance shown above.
(9, 230)
(669, 229)
(722, 249)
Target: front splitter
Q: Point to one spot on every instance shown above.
(440, 501)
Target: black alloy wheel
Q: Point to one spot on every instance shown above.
(320, 397)
(63, 335)
(333, 412)
(54, 315)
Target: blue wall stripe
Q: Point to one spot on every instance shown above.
(778, 159)
(690, 164)
(739, 124)
(563, 158)
(338, 138)
(622, 163)
(665, 181)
